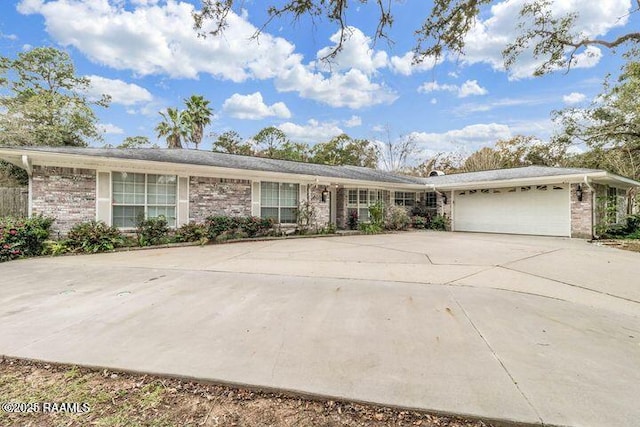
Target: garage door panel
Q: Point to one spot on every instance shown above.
(541, 210)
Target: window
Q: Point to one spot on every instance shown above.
(359, 200)
(431, 200)
(138, 195)
(279, 201)
(403, 198)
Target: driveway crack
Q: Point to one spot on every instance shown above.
(495, 355)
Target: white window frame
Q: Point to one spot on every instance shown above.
(363, 206)
(280, 206)
(400, 198)
(146, 204)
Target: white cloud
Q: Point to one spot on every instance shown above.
(110, 129)
(312, 132)
(490, 36)
(252, 107)
(468, 88)
(352, 89)
(574, 98)
(471, 88)
(354, 121)
(467, 139)
(121, 92)
(356, 53)
(404, 64)
(158, 38)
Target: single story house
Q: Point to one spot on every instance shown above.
(117, 185)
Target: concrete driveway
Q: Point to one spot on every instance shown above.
(528, 329)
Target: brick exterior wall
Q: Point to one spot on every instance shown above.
(322, 208)
(218, 196)
(581, 213)
(67, 194)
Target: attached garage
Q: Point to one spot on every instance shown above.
(533, 209)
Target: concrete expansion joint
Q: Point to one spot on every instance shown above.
(495, 355)
(569, 284)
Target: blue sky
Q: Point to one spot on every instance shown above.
(145, 54)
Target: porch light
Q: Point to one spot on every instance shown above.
(579, 192)
(325, 194)
(444, 198)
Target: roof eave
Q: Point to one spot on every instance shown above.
(551, 179)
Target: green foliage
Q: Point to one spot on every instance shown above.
(439, 222)
(397, 218)
(419, 222)
(273, 143)
(329, 229)
(192, 232)
(196, 117)
(231, 142)
(376, 213)
(255, 226)
(91, 237)
(21, 237)
(251, 226)
(152, 231)
(46, 102)
(136, 142)
(370, 228)
(628, 229)
(343, 150)
(173, 127)
(610, 126)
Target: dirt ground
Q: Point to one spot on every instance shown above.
(628, 245)
(121, 399)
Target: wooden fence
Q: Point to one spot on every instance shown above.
(14, 202)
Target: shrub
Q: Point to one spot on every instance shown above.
(397, 218)
(152, 231)
(23, 237)
(370, 228)
(376, 213)
(419, 222)
(353, 220)
(192, 232)
(255, 226)
(629, 229)
(91, 237)
(439, 222)
(217, 225)
(329, 229)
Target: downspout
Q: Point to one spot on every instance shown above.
(26, 163)
(593, 206)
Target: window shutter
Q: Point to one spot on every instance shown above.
(103, 197)
(183, 201)
(255, 198)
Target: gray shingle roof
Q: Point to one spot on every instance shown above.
(504, 174)
(233, 161)
(209, 158)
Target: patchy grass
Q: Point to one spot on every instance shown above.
(143, 400)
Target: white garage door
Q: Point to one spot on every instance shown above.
(542, 210)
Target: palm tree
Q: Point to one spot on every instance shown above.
(173, 127)
(197, 116)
